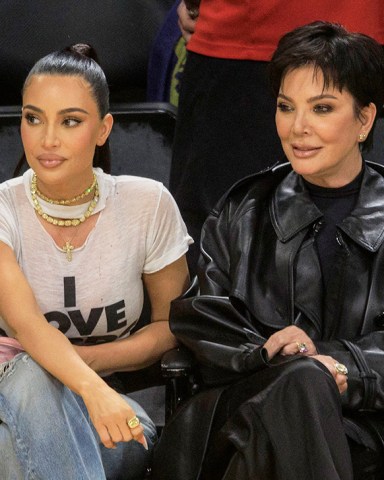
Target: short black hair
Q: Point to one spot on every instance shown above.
(351, 61)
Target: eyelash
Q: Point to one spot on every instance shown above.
(283, 107)
(67, 122)
(321, 109)
(30, 118)
(71, 119)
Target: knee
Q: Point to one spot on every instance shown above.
(308, 376)
(27, 384)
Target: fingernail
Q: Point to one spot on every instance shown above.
(144, 443)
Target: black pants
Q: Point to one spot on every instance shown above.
(225, 131)
(286, 423)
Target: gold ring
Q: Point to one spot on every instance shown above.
(302, 347)
(133, 422)
(193, 13)
(340, 368)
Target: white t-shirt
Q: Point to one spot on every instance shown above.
(98, 296)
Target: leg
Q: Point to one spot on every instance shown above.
(284, 423)
(42, 416)
(367, 463)
(129, 460)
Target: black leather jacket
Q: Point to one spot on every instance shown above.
(260, 273)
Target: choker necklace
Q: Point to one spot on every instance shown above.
(67, 248)
(86, 192)
(63, 222)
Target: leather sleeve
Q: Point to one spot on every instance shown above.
(223, 339)
(219, 337)
(364, 359)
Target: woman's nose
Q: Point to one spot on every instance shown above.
(50, 138)
(301, 124)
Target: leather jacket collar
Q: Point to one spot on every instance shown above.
(292, 210)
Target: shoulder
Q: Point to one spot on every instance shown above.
(129, 189)
(253, 189)
(131, 183)
(376, 167)
(11, 192)
(11, 184)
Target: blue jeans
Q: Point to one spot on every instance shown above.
(46, 432)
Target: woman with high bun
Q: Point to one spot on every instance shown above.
(77, 248)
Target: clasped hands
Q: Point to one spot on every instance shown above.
(293, 340)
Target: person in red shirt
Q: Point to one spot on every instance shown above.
(225, 128)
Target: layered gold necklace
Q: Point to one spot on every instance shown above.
(86, 192)
(68, 247)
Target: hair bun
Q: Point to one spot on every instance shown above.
(83, 49)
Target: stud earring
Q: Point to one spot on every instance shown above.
(362, 137)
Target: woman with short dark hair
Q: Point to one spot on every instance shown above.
(288, 327)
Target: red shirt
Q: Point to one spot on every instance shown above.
(250, 29)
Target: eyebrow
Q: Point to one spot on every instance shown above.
(311, 99)
(61, 112)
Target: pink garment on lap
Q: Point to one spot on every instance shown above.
(9, 347)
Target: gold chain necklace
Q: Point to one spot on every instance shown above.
(69, 222)
(61, 222)
(86, 192)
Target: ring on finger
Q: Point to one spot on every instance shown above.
(133, 422)
(341, 368)
(302, 347)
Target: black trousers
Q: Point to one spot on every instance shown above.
(225, 131)
(286, 423)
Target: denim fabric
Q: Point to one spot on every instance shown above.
(46, 433)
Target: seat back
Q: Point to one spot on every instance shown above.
(122, 32)
(140, 141)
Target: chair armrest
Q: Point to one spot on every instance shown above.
(179, 372)
(178, 362)
(178, 368)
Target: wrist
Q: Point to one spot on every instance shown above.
(87, 386)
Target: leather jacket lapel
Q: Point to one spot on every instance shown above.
(366, 223)
(292, 209)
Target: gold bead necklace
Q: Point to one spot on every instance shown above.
(63, 222)
(86, 192)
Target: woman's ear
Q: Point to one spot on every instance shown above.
(105, 129)
(367, 116)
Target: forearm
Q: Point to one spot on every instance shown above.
(141, 349)
(53, 351)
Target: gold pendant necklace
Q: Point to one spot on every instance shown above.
(68, 247)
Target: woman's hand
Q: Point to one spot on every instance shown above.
(290, 341)
(341, 379)
(294, 341)
(186, 22)
(110, 415)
